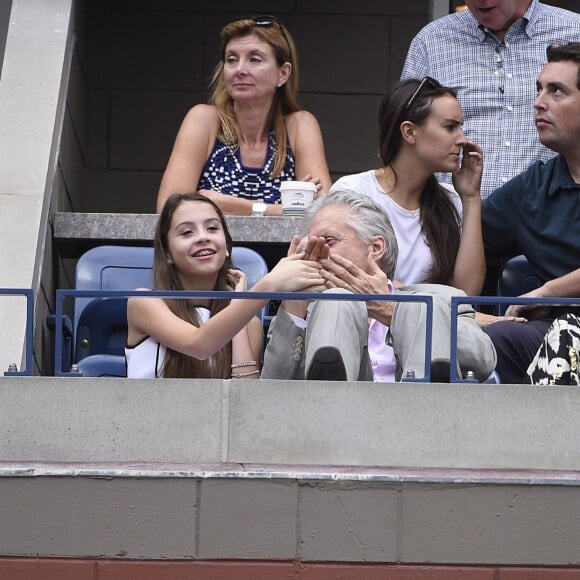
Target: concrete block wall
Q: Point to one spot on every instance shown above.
(71, 143)
(411, 425)
(289, 518)
(249, 479)
(147, 63)
(33, 82)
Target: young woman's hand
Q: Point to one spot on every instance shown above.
(484, 319)
(467, 179)
(309, 249)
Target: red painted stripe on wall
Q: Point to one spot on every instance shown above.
(91, 569)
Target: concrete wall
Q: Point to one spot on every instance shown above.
(464, 475)
(411, 425)
(31, 106)
(289, 518)
(149, 62)
(5, 7)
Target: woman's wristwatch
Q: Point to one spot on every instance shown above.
(259, 208)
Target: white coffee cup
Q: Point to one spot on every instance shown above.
(296, 197)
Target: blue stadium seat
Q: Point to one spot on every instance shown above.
(516, 278)
(103, 365)
(99, 325)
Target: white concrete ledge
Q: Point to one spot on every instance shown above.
(289, 423)
(138, 227)
(319, 473)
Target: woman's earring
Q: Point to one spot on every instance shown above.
(227, 253)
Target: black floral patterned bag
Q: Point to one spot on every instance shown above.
(556, 362)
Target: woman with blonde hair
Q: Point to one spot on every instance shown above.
(238, 149)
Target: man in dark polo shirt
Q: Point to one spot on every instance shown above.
(537, 214)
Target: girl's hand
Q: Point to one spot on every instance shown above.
(311, 248)
(295, 274)
(237, 280)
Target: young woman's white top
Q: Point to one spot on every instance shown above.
(415, 260)
(145, 360)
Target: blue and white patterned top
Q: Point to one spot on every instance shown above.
(224, 172)
(495, 81)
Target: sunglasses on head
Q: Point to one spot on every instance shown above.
(265, 20)
(268, 20)
(428, 82)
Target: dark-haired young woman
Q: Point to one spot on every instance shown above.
(438, 229)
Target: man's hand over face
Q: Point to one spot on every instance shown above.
(339, 272)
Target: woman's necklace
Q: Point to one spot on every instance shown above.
(387, 190)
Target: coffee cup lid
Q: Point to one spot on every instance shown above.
(298, 185)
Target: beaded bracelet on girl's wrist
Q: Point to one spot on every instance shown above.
(248, 374)
(248, 363)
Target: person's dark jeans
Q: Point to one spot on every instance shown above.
(516, 344)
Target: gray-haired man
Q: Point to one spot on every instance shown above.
(354, 241)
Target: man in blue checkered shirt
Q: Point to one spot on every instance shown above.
(492, 55)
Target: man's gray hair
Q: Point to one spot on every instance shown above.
(367, 219)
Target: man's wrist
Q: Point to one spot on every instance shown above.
(297, 308)
(382, 311)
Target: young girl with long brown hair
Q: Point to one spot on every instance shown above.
(202, 338)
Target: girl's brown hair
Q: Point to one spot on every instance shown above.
(286, 97)
(440, 220)
(165, 277)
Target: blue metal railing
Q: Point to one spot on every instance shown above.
(493, 300)
(29, 295)
(61, 295)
